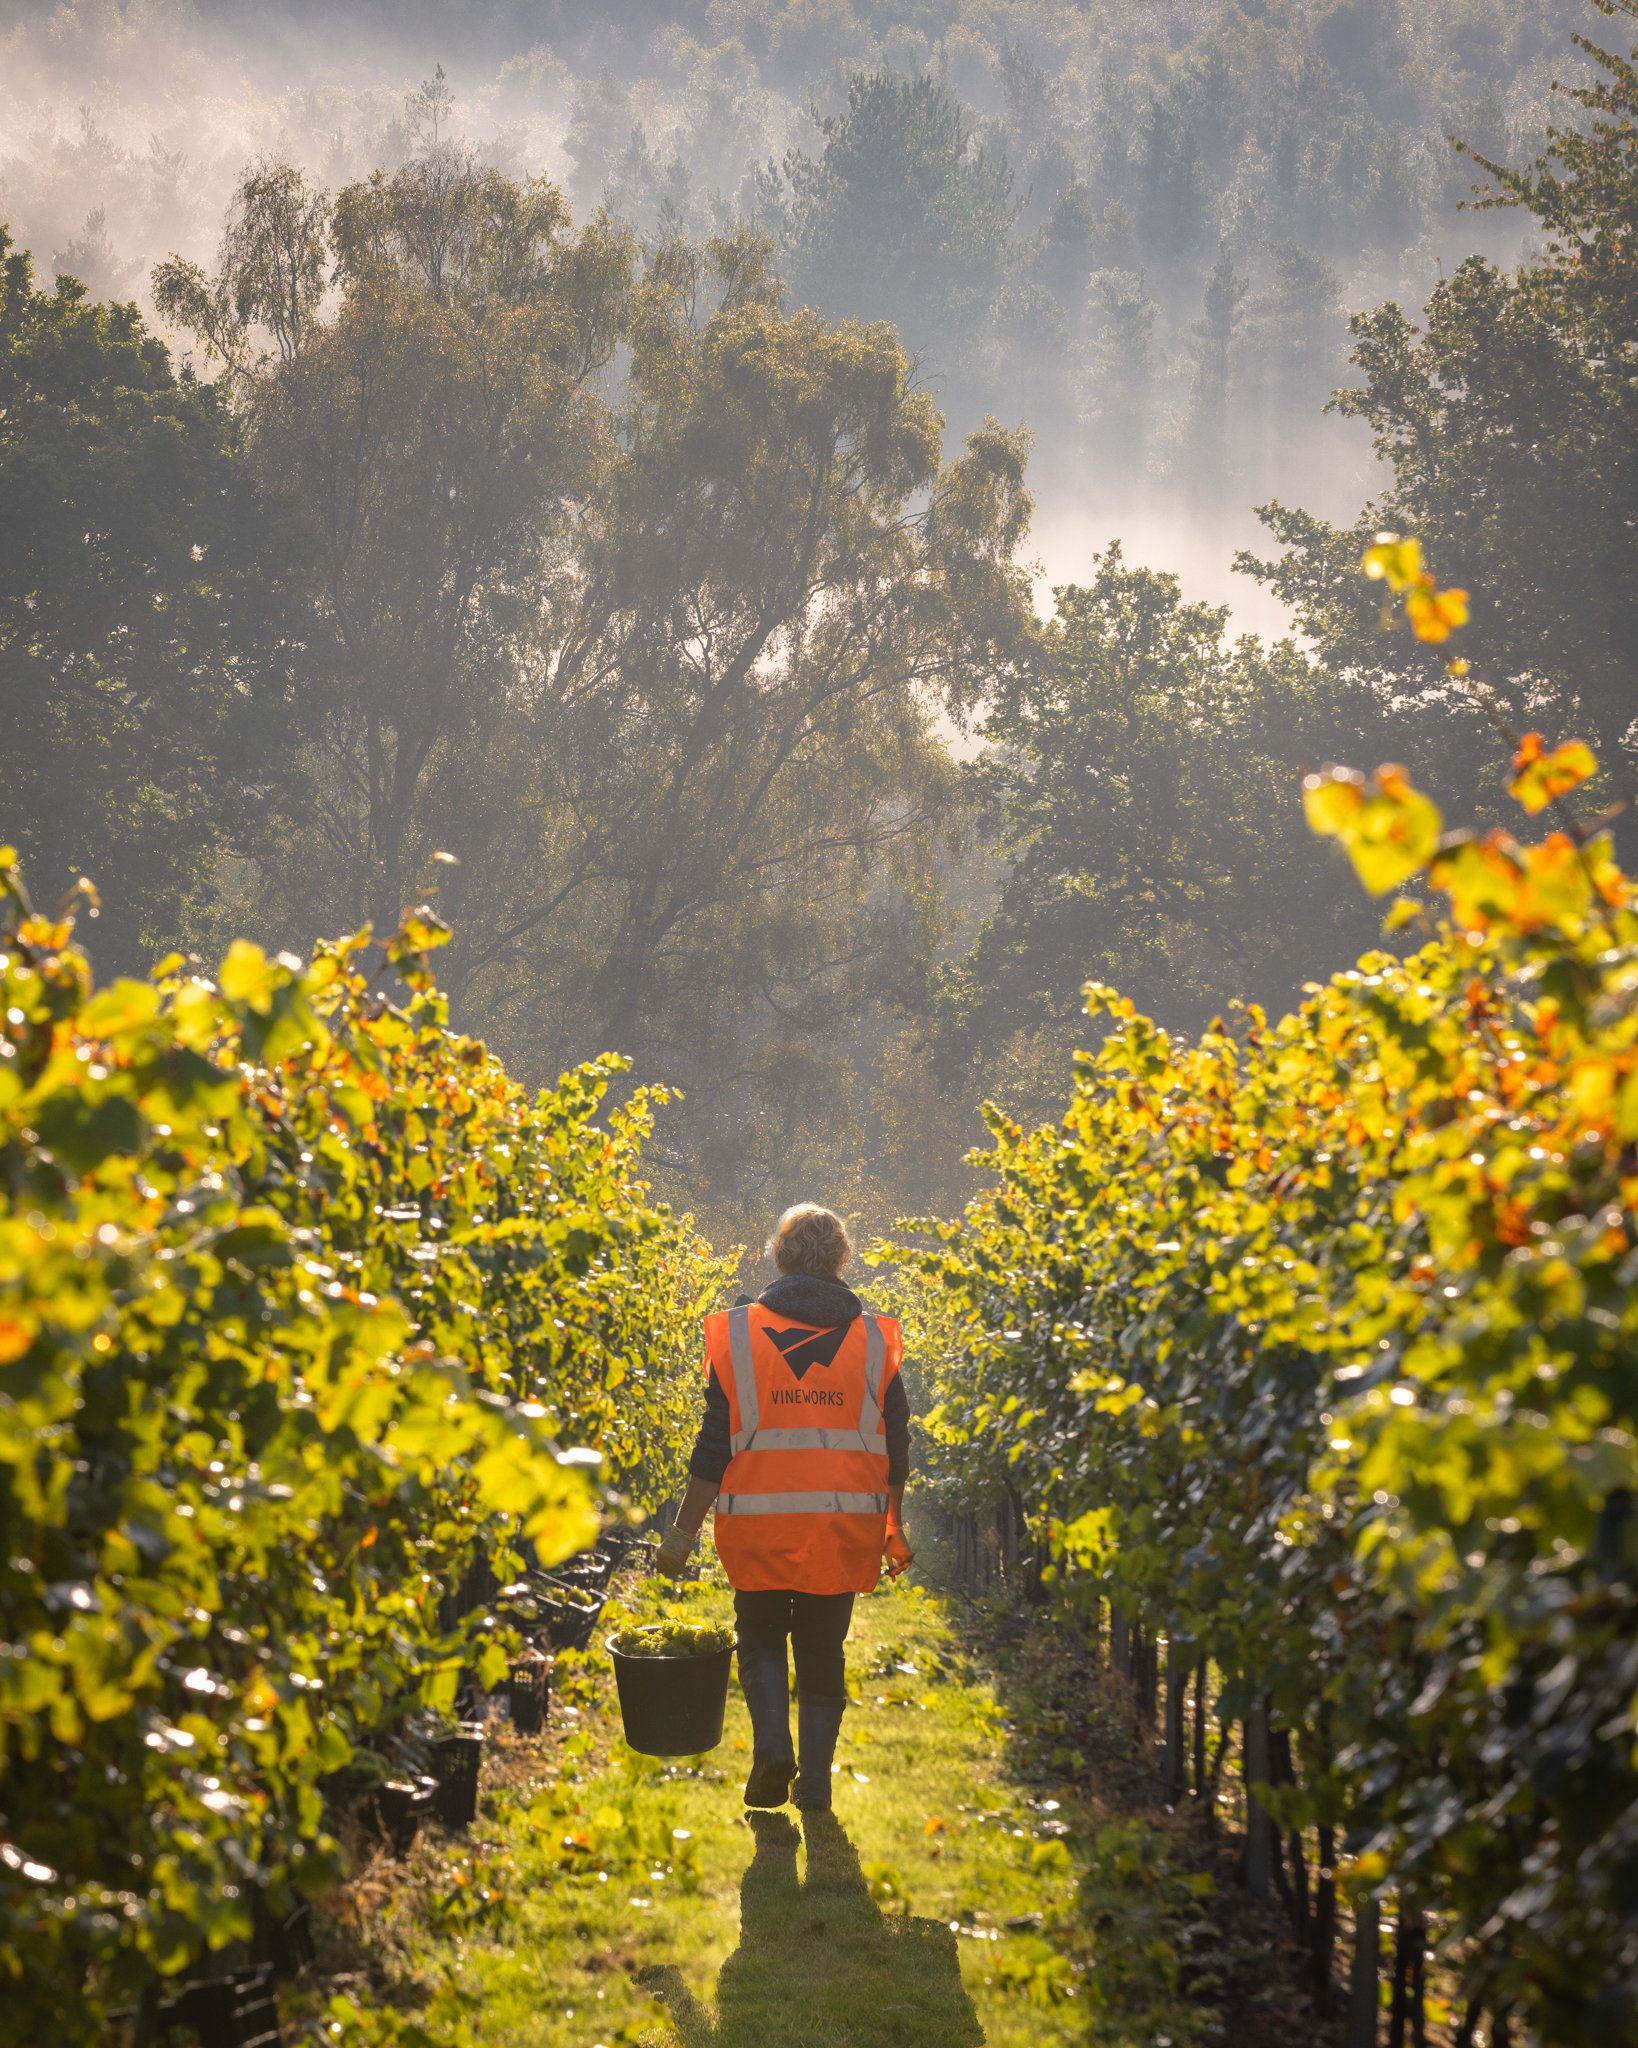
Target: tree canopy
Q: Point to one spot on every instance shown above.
(652, 648)
(146, 669)
(1139, 770)
(1508, 419)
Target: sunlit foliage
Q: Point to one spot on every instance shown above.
(1313, 1341)
(304, 1307)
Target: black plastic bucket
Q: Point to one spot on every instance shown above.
(401, 1805)
(672, 1706)
(456, 1760)
(526, 1683)
(571, 1613)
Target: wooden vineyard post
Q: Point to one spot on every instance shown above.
(969, 1556)
(1407, 2023)
(1259, 1825)
(1039, 1558)
(1325, 1917)
(1501, 2027)
(1119, 1634)
(1362, 2000)
(1202, 1673)
(1176, 1683)
(1296, 1893)
(1317, 1752)
(146, 2031)
(1219, 1763)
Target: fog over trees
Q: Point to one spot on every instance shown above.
(760, 506)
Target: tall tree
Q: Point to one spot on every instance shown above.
(1142, 774)
(1123, 367)
(905, 215)
(428, 440)
(1212, 347)
(724, 859)
(654, 650)
(1508, 416)
(146, 675)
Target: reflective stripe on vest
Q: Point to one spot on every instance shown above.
(815, 1439)
(872, 1430)
(739, 1352)
(801, 1503)
(871, 1435)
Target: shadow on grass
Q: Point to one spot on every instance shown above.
(819, 1965)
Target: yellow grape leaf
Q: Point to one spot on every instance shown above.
(194, 1015)
(1435, 613)
(1558, 886)
(246, 976)
(1393, 561)
(1394, 842)
(440, 1685)
(1608, 876)
(122, 1006)
(1390, 829)
(1592, 1087)
(563, 1527)
(1540, 776)
(419, 933)
(1527, 887)
(1333, 801)
(260, 1697)
(1482, 877)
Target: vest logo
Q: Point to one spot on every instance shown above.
(825, 1397)
(802, 1348)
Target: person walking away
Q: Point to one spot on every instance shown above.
(804, 1449)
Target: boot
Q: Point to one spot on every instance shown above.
(818, 1722)
(765, 1682)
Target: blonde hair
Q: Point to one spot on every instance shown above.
(811, 1240)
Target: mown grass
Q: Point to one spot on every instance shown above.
(625, 1901)
(997, 1871)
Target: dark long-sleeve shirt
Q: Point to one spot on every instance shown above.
(826, 1305)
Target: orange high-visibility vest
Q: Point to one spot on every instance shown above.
(803, 1505)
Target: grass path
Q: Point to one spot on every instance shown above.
(605, 1898)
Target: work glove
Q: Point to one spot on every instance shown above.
(672, 1554)
(897, 1552)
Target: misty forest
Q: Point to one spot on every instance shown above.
(616, 617)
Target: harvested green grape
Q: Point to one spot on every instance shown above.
(672, 1639)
